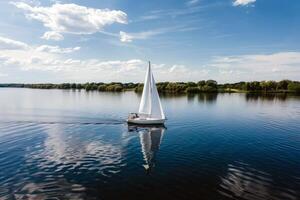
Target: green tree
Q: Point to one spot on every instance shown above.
(264, 85)
(201, 83)
(294, 86)
(78, 86)
(192, 90)
(191, 84)
(283, 85)
(87, 87)
(212, 83)
(73, 85)
(102, 88)
(271, 85)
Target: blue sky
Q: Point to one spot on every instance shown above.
(186, 40)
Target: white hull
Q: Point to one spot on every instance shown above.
(146, 121)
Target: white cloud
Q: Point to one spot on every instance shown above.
(179, 73)
(3, 75)
(69, 69)
(125, 37)
(72, 18)
(243, 2)
(52, 35)
(55, 1)
(6, 43)
(178, 68)
(56, 49)
(276, 66)
(32, 2)
(18, 56)
(192, 2)
(129, 37)
(56, 60)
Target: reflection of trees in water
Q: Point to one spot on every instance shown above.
(191, 97)
(207, 97)
(266, 97)
(171, 95)
(244, 182)
(203, 97)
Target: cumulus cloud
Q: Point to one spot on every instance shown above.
(72, 18)
(129, 37)
(125, 37)
(32, 2)
(179, 72)
(3, 75)
(56, 49)
(6, 43)
(81, 70)
(52, 58)
(52, 35)
(56, 60)
(243, 2)
(277, 66)
(21, 56)
(282, 65)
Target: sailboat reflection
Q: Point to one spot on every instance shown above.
(150, 138)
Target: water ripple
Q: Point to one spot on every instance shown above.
(244, 182)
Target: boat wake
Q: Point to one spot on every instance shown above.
(96, 122)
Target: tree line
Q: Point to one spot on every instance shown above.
(176, 87)
(264, 86)
(103, 87)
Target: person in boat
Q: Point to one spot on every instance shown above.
(134, 115)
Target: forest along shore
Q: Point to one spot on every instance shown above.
(284, 86)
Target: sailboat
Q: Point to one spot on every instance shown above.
(150, 110)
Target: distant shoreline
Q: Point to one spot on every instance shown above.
(209, 86)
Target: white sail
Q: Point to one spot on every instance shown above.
(150, 103)
(145, 104)
(156, 108)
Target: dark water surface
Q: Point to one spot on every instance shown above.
(64, 144)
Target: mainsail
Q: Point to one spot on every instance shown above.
(150, 103)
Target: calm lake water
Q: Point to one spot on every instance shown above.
(64, 144)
